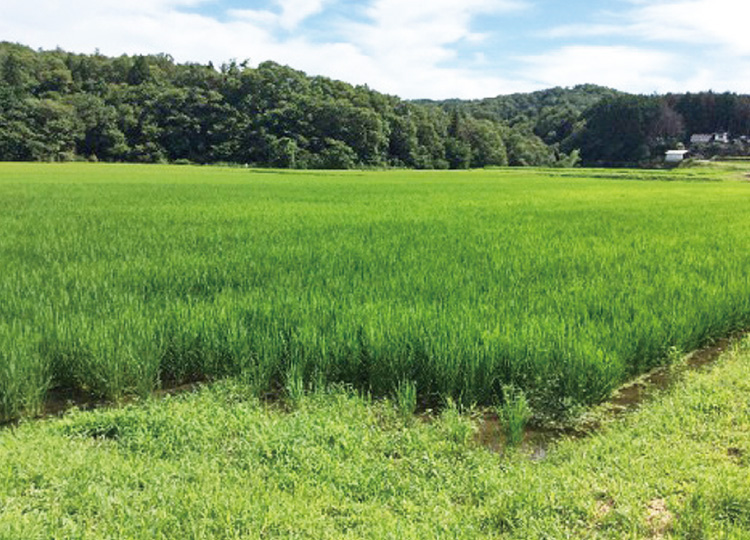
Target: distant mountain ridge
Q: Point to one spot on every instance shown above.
(509, 107)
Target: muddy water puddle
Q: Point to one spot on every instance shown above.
(536, 440)
(628, 398)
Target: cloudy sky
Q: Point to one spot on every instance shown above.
(420, 48)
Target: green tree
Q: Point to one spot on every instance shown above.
(140, 71)
(335, 155)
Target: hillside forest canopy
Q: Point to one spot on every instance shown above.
(61, 106)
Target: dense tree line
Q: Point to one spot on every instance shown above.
(538, 122)
(611, 128)
(628, 130)
(56, 105)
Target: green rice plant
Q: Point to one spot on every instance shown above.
(294, 384)
(24, 375)
(513, 414)
(567, 283)
(405, 398)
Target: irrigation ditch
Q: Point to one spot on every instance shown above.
(626, 399)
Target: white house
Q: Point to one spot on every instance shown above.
(708, 138)
(721, 138)
(675, 156)
(702, 138)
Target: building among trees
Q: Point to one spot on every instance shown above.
(673, 157)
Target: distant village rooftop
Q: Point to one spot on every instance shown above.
(708, 138)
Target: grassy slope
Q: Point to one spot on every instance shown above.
(119, 278)
(217, 464)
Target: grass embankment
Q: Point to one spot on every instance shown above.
(119, 279)
(219, 464)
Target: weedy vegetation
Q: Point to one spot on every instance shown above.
(120, 279)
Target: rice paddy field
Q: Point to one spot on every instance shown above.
(121, 279)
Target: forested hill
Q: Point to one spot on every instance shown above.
(611, 128)
(56, 105)
(552, 114)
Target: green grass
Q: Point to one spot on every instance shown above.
(118, 279)
(219, 464)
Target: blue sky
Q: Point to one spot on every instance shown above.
(420, 48)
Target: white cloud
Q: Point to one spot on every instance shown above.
(116, 27)
(667, 46)
(255, 16)
(585, 30)
(624, 68)
(708, 22)
(418, 28)
(402, 48)
(713, 23)
(412, 48)
(293, 12)
(410, 43)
